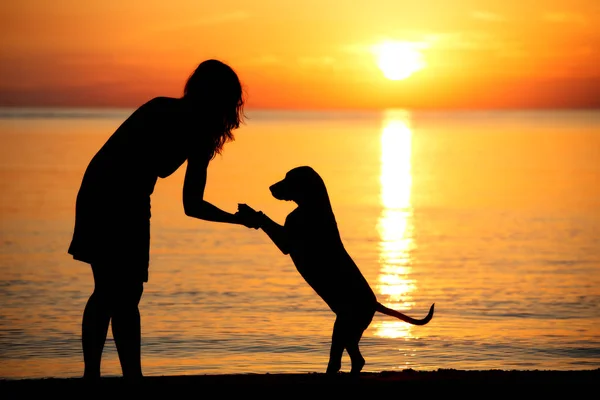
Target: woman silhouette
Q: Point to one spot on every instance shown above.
(112, 216)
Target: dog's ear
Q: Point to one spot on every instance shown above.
(307, 186)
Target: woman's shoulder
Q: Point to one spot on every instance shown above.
(160, 110)
(161, 103)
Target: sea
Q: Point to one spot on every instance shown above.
(494, 216)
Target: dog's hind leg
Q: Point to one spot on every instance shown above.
(356, 358)
(337, 348)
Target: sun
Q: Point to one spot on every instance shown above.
(398, 60)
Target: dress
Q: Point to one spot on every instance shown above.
(112, 211)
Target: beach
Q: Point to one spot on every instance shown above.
(452, 379)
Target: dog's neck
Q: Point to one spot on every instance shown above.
(317, 207)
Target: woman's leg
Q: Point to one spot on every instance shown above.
(94, 327)
(126, 327)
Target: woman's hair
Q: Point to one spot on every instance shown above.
(215, 89)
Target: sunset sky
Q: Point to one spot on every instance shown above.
(309, 54)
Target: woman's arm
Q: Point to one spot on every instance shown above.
(194, 204)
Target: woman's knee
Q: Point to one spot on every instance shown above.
(118, 296)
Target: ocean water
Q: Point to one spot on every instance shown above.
(494, 216)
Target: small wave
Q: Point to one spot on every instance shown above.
(62, 113)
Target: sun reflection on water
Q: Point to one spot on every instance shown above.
(394, 285)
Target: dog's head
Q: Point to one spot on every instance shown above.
(302, 185)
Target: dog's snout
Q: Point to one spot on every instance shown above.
(278, 191)
(274, 188)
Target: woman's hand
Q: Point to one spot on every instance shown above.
(248, 217)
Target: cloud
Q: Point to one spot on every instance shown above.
(487, 16)
(266, 59)
(209, 20)
(452, 41)
(565, 17)
(478, 42)
(315, 61)
(424, 42)
(222, 18)
(463, 41)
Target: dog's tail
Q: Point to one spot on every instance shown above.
(388, 311)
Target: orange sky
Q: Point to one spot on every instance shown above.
(303, 54)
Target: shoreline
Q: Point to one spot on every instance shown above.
(372, 380)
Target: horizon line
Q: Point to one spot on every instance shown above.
(321, 109)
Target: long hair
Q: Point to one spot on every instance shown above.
(214, 89)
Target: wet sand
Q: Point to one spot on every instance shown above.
(257, 383)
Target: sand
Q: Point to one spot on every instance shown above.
(454, 380)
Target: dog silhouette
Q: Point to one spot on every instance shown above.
(311, 237)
